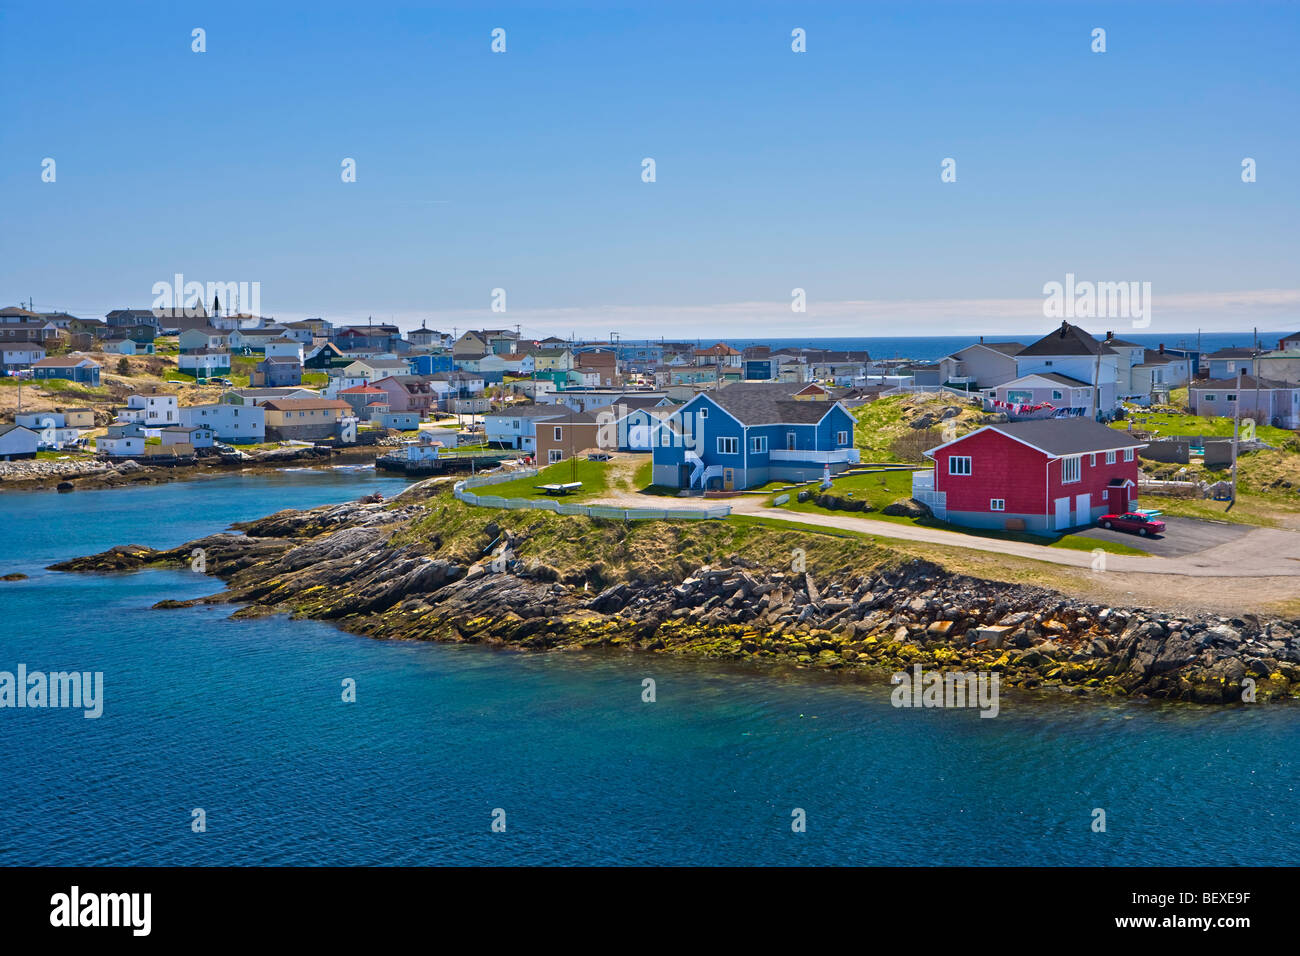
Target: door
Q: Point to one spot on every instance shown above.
(1062, 514)
(1083, 510)
(729, 479)
(789, 441)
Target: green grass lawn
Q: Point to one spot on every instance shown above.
(593, 475)
(1261, 510)
(883, 488)
(1166, 423)
(66, 389)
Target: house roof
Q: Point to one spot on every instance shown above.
(1058, 437)
(1055, 377)
(6, 429)
(384, 363)
(1246, 381)
(362, 390)
(531, 411)
(768, 403)
(1234, 352)
(1066, 340)
(1124, 343)
(63, 361)
(304, 404)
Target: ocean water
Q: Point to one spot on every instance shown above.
(932, 348)
(244, 719)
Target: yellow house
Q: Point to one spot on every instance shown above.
(289, 412)
(79, 417)
(549, 360)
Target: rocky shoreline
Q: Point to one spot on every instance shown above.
(424, 567)
(42, 474)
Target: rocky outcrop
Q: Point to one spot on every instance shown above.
(362, 566)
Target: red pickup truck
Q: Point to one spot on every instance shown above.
(1133, 521)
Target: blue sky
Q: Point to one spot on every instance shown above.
(775, 169)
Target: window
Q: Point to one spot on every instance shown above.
(559, 433)
(1209, 397)
(1231, 397)
(1048, 362)
(758, 444)
(1128, 454)
(959, 464)
(704, 411)
(1110, 458)
(841, 438)
(1071, 469)
(728, 446)
(1056, 395)
(553, 455)
(1092, 463)
(997, 504)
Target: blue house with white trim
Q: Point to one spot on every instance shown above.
(749, 433)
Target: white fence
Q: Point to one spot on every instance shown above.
(462, 492)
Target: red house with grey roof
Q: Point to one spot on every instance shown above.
(1039, 476)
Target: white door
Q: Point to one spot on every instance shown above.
(1062, 513)
(1083, 510)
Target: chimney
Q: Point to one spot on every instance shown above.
(1109, 336)
(1162, 348)
(981, 340)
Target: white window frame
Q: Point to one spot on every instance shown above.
(841, 438)
(1072, 463)
(733, 445)
(952, 470)
(554, 455)
(1128, 454)
(758, 444)
(704, 411)
(1110, 458)
(558, 433)
(997, 504)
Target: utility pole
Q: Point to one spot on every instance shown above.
(1236, 427)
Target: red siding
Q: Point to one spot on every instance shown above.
(1024, 477)
(1000, 468)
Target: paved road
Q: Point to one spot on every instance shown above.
(1259, 552)
(1183, 536)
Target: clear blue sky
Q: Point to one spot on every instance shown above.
(775, 170)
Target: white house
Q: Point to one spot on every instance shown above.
(20, 356)
(1074, 353)
(151, 411)
(123, 440)
(17, 441)
(284, 347)
(235, 424)
(204, 363)
(197, 436)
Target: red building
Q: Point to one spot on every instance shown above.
(1051, 474)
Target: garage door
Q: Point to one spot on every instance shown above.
(1062, 513)
(1083, 509)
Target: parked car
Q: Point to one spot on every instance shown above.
(1133, 521)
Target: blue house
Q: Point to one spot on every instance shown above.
(429, 364)
(749, 433)
(74, 368)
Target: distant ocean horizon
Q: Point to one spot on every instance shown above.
(931, 348)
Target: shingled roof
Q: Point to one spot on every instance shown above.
(1067, 340)
(769, 403)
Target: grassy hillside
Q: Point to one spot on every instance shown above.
(887, 429)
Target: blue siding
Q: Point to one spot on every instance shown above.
(752, 467)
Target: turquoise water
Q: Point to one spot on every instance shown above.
(244, 719)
